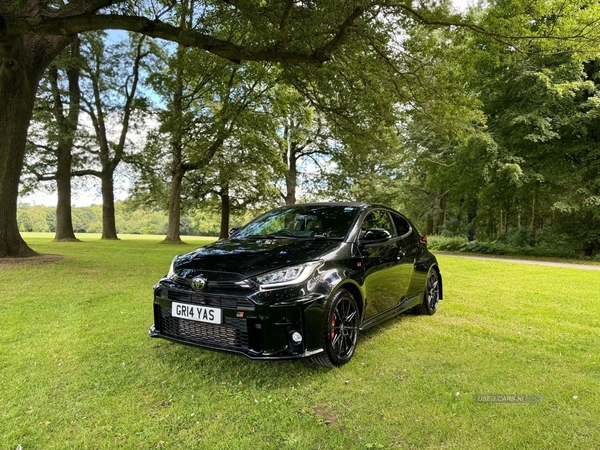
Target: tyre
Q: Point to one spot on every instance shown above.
(340, 331)
(431, 294)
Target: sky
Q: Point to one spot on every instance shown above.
(462, 5)
(90, 194)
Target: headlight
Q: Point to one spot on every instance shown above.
(288, 276)
(172, 273)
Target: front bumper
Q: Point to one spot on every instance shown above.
(257, 324)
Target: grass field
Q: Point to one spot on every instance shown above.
(78, 370)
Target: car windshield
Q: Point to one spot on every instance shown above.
(303, 221)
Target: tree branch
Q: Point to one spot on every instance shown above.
(43, 147)
(66, 26)
(40, 176)
(285, 17)
(128, 104)
(342, 33)
(88, 6)
(476, 28)
(82, 173)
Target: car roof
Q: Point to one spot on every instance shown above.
(356, 204)
(362, 205)
(353, 204)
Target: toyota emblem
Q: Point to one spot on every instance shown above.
(199, 283)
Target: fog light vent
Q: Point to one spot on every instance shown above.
(296, 337)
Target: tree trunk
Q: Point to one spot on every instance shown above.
(429, 226)
(64, 222)
(67, 127)
(225, 211)
(109, 227)
(291, 175)
(471, 217)
(17, 93)
(174, 228)
(442, 215)
(22, 62)
(534, 216)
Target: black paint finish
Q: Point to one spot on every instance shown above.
(385, 274)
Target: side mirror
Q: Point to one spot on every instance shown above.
(375, 235)
(233, 231)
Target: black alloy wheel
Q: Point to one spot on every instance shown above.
(340, 331)
(431, 295)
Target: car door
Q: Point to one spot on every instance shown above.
(384, 281)
(408, 253)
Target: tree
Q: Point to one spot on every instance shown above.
(544, 119)
(57, 114)
(209, 99)
(530, 160)
(32, 34)
(110, 99)
(301, 134)
(241, 173)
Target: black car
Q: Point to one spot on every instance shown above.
(298, 281)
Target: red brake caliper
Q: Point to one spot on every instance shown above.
(332, 326)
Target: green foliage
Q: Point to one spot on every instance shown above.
(130, 218)
(517, 152)
(488, 248)
(521, 237)
(439, 243)
(493, 135)
(36, 218)
(516, 242)
(220, 129)
(86, 219)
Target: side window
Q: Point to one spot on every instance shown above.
(402, 225)
(378, 219)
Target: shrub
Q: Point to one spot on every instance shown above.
(516, 237)
(454, 228)
(446, 243)
(547, 248)
(487, 248)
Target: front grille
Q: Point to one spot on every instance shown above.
(233, 333)
(219, 280)
(217, 301)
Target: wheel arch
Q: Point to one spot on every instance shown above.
(338, 354)
(439, 274)
(355, 289)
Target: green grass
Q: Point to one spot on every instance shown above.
(78, 370)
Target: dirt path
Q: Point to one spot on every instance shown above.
(9, 263)
(524, 261)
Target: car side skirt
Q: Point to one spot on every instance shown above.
(403, 306)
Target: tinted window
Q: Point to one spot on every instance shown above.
(302, 221)
(402, 225)
(378, 219)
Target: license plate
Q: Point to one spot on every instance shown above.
(196, 312)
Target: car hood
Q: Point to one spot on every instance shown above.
(250, 257)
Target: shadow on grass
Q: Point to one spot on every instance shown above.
(236, 368)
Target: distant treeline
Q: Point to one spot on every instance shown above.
(130, 220)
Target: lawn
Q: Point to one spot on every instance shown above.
(78, 370)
